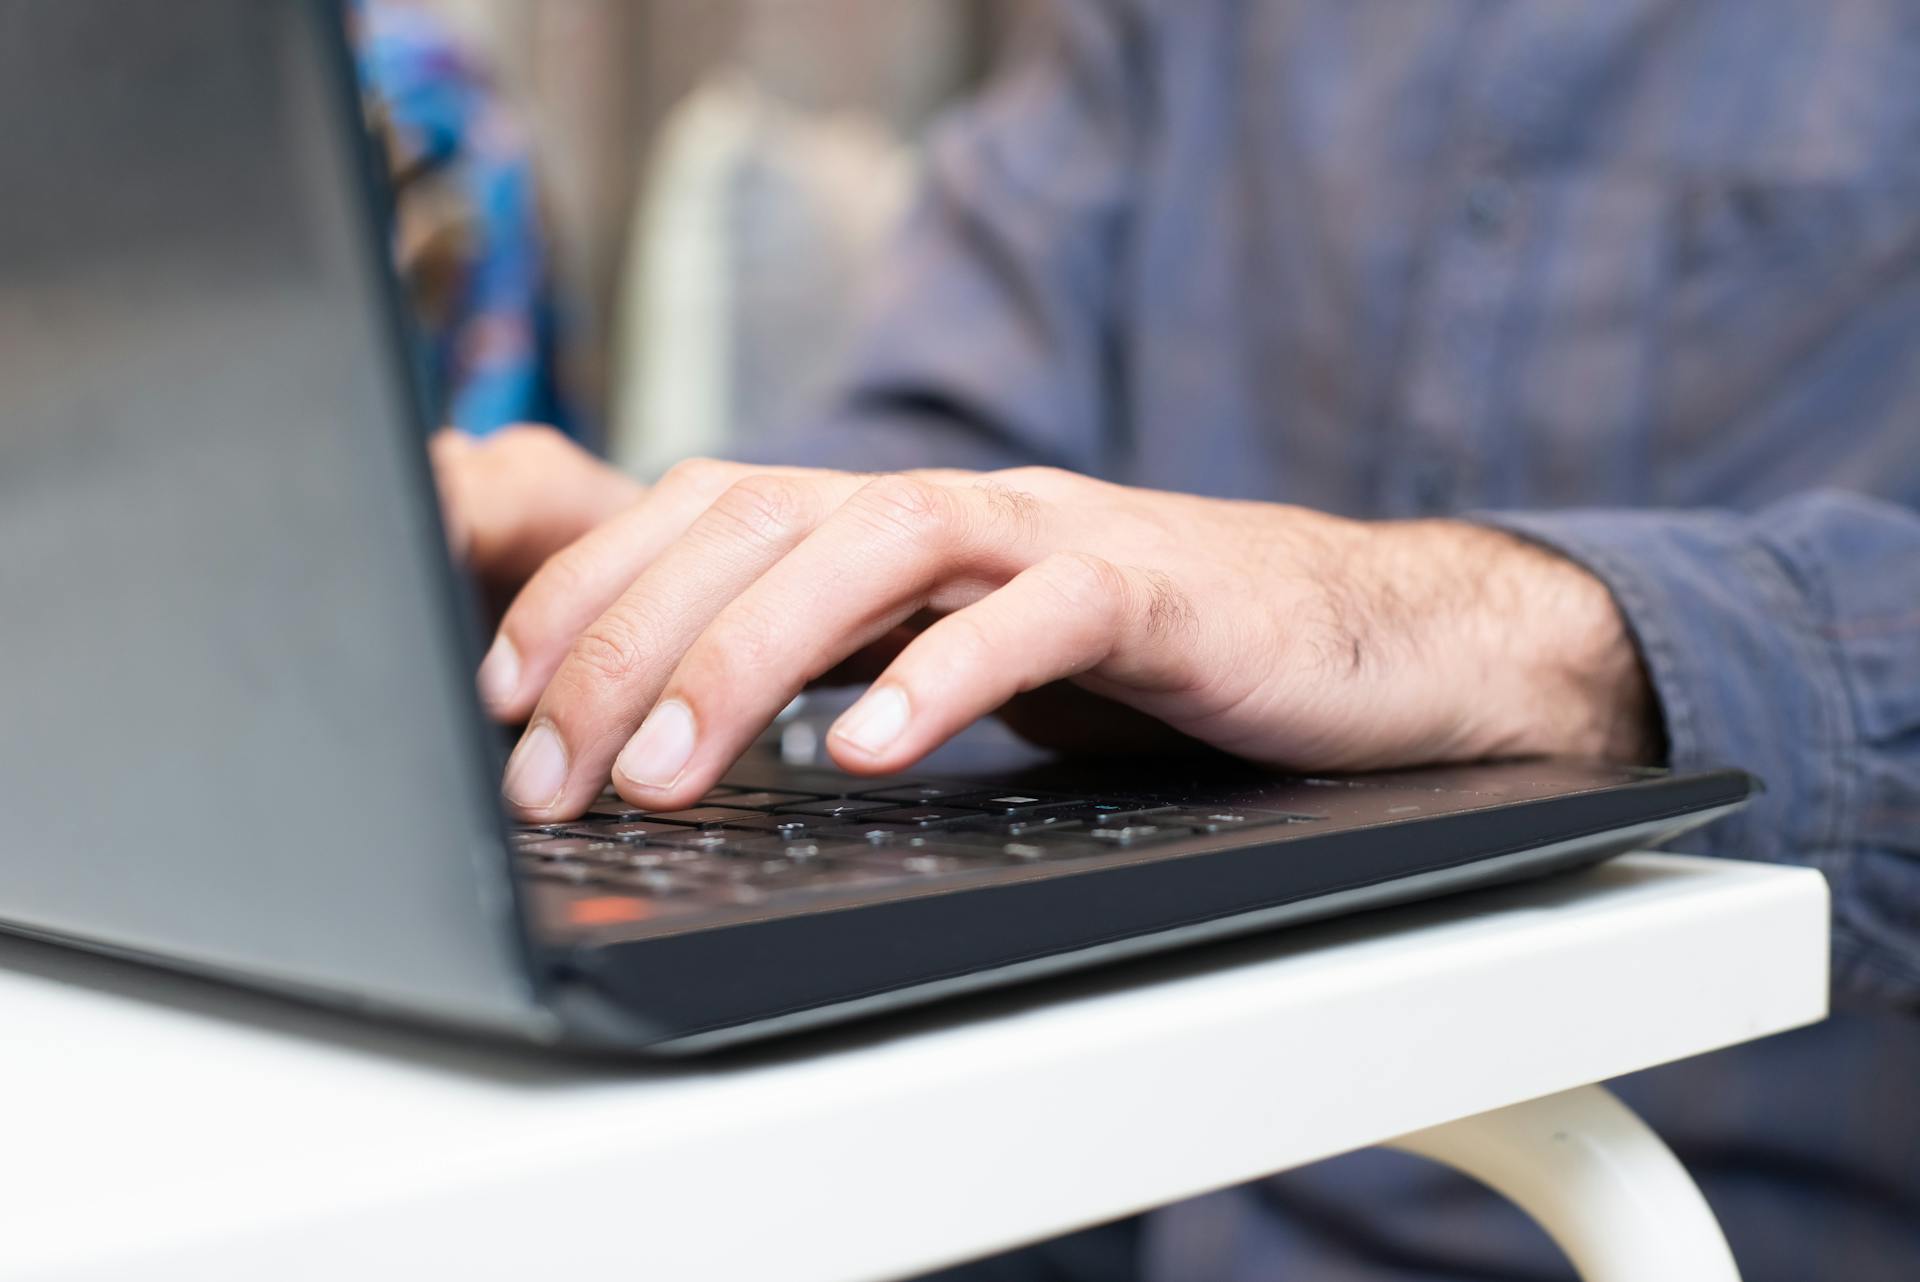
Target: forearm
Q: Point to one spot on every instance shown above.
(1536, 641)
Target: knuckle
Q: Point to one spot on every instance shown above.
(736, 657)
(1017, 507)
(564, 575)
(1090, 583)
(698, 475)
(752, 645)
(908, 506)
(966, 646)
(1086, 579)
(766, 508)
(610, 653)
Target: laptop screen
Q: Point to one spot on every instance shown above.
(239, 723)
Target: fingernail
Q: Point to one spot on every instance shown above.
(500, 673)
(538, 769)
(660, 751)
(872, 724)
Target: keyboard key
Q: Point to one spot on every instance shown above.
(965, 837)
(874, 834)
(918, 839)
(640, 857)
(614, 808)
(573, 874)
(659, 882)
(772, 874)
(1105, 815)
(767, 800)
(774, 824)
(708, 839)
(569, 848)
(801, 850)
(915, 794)
(632, 831)
(622, 854)
(758, 776)
(1033, 825)
(701, 816)
(920, 816)
(834, 807)
(1011, 803)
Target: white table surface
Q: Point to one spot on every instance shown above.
(159, 1128)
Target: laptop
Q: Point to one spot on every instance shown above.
(238, 729)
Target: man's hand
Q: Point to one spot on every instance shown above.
(656, 647)
(515, 498)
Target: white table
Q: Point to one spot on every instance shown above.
(158, 1128)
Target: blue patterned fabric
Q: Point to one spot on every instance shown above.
(468, 218)
(1638, 278)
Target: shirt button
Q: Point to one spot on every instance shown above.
(1489, 207)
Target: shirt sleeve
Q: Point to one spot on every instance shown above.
(1787, 642)
(989, 341)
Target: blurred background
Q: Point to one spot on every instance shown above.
(652, 220)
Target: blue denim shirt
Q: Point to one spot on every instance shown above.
(1638, 278)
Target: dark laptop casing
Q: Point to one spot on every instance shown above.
(238, 727)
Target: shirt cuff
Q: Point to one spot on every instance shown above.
(1741, 665)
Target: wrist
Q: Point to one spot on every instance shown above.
(1538, 659)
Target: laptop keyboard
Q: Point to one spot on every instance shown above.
(747, 846)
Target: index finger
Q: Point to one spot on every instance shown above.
(580, 582)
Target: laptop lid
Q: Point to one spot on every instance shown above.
(237, 727)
